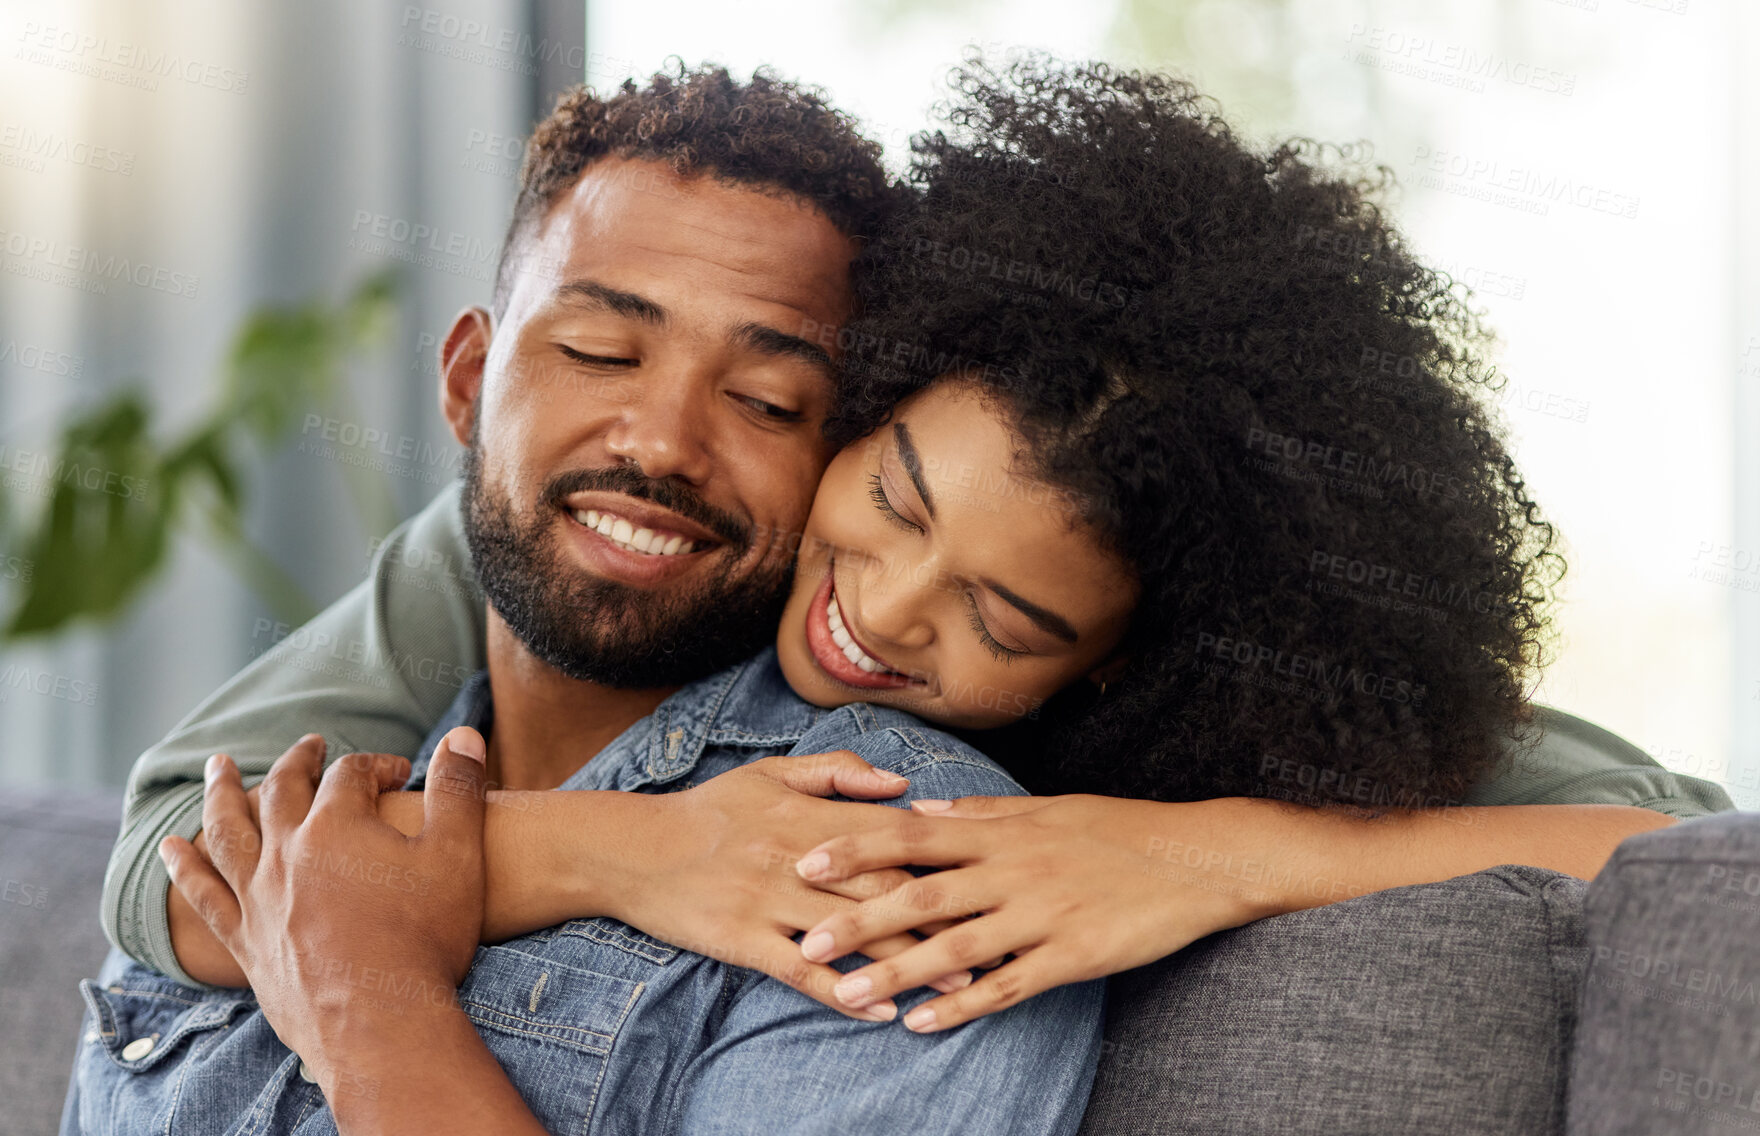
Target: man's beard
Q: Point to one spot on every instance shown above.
(603, 631)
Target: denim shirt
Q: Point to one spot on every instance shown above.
(604, 1029)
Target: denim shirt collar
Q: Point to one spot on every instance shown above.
(747, 706)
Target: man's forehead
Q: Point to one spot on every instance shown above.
(639, 217)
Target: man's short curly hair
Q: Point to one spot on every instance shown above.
(768, 133)
(1262, 401)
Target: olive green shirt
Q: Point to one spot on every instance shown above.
(379, 667)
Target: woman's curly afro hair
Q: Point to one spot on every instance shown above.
(1257, 396)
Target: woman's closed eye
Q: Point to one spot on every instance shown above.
(1001, 653)
(877, 491)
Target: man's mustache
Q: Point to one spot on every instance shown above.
(665, 493)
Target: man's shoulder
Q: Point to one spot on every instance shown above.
(906, 745)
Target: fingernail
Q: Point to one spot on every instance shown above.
(467, 743)
(211, 768)
(920, 1018)
(164, 856)
(881, 1011)
(853, 991)
(813, 865)
(953, 982)
(931, 805)
(817, 947)
(889, 775)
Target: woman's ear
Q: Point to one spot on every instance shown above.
(1109, 671)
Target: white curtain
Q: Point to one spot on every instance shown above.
(235, 155)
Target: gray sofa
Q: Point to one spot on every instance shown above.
(1452, 1007)
(53, 848)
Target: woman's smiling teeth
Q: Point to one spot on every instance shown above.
(651, 542)
(847, 644)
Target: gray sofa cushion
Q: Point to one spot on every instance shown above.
(1670, 1035)
(53, 848)
(1442, 1008)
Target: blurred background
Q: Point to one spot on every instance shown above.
(231, 236)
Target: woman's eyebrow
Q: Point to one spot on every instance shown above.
(913, 465)
(1045, 618)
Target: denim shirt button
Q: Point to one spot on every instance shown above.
(306, 1074)
(137, 1049)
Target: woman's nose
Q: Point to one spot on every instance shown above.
(893, 608)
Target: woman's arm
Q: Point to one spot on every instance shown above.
(1085, 886)
(709, 868)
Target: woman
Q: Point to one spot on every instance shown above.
(1114, 421)
(1194, 373)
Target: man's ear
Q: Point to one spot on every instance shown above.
(462, 358)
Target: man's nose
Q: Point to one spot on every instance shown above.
(664, 433)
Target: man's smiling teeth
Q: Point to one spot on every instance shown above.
(845, 643)
(653, 542)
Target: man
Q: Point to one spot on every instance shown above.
(657, 374)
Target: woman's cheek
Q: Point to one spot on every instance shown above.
(984, 695)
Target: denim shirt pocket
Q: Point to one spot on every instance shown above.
(551, 1026)
(139, 1025)
(612, 933)
(143, 1036)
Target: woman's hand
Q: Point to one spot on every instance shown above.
(1079, 887)
(711, 869)
(1076, 887)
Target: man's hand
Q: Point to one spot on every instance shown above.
(325, 894)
